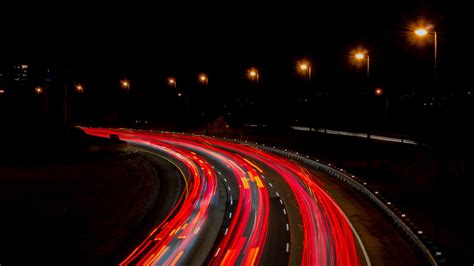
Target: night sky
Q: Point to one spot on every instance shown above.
(146, 43)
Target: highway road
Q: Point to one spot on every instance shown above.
(240, 206)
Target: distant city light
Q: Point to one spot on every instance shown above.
(2, 91)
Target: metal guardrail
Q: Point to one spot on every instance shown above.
(418, 239)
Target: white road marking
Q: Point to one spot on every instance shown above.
(230, 215)
(287, 227)
(270, 184)
(284, 211)
(217, 252)
(228, 188)
(226, 230)
(276, 193)
(231, 202)
(281, 202)
(287, 247)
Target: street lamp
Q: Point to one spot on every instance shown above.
(125, 84)
(203, 79)
(253, 74)
(39, 90)
(172, 81)
(422, 32)
(361, 56)
(304, 67)
(378, 92)
(79, 88)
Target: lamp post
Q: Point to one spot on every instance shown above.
(79, 88)
(304, 67)
(172, 82)
(423, 32)
(125, 84)
(361, 56)
(253, 74)
(203, 79)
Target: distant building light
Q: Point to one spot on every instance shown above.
(24, 66)
(2, 91)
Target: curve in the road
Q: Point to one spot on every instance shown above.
(327, 236)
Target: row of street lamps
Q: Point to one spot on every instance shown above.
(303, 67)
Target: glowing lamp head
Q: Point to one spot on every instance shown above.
(359, 56)
(125, 84)
(304, 66)
(38, 90)
(253, 73)
(172, 81)
(378, 91)
(79, 88)
(421, 32)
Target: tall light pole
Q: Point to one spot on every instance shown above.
(79, 88)
(172, 82)
(361, 56)
(125, 84)
(423, 32)
(304, 67)
(203, 79)
(253, 74)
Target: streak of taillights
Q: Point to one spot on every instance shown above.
(328, 238)
(250, 216)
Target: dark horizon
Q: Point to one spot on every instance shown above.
(99, 47)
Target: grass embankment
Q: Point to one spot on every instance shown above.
(72, 212)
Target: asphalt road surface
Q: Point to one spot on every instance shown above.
(237, 205)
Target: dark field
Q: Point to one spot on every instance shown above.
(72, 213)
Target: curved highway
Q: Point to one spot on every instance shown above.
(240, 206)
